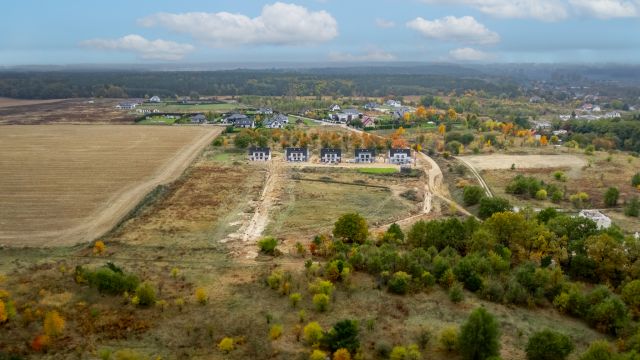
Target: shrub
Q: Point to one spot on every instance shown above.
(611, 196)
(541, 194)
(490, 206)
(560, 176)
(598, 350)
(456, 294)
(635, 180)
(579, 199)
(146, 294)
(342, 354)
(275, 279)
(318, 355)
(412, 352)
(128, 354)
(322, 287)
(108, 279)
(631, 296)
(351, 228)
(53, 324)
(99, 247)
(275, 332)
(399, 283)
(633, 208)
(226, 345)
(294, 299)
(556, 196)
(201, 296)
(268, 245)
(312, 333)
(40, 343)
(449, 338)
(472, 195)
(479, 336)
(383, 350)
(343, 335)
(321, 302)
(395, 232)
(548, 345)
(3, 312)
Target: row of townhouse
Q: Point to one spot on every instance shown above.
(332, 155)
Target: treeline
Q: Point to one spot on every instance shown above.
(47, 85)
(606, 134)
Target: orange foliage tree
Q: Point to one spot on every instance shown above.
(543, 140)
(53, 324)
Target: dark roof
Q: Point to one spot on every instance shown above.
(330, 151)
(236, 117)
(245, 121)
(265, 150)
(365, 151)
(400, 151)
(290, 150)
(199, 117)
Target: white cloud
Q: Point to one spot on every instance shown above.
(469, 54)
(464, 29)
(384, 24)
(606, 9)
(146, 49)
(545, 10)
(373, 54)
(278, 24)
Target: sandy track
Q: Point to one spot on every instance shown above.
(117, 207)
(483, 184)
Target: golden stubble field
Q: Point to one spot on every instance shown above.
(65, 184)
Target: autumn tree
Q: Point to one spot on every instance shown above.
(421, 112)
(351, 228)
(442, 129)
(3, 312)
(608, 254)
(53, 324)
(452, 114)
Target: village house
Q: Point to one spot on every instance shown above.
(599, 218)
(126, 106)
(231, 119)
(612, 115)
(296, 154)
(198, 119)
(365, 156)
(330, 156)
(371, 106)
(334, 107)
(259, 154)
(277, 122)
(399, 114)
(394, 103)
(155, 99)
(245, 123)
(347, 116)
(400, 156)
(368, 122)
(264, 111)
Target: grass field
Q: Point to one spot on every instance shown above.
(188, 108)
(378, 170)
(68, 184)
(157, 120)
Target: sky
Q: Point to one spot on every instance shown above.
(63, 32)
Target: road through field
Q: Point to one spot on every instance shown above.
(51, 193)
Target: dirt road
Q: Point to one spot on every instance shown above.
(475, 173)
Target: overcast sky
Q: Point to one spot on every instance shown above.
(338, 31)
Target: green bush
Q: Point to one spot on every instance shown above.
(548, 345)
(472, 195)
(399, 283)
(598, 350)
(449, 338)
(351, 228)
(456, 294)
(268, 245)
(490, 206)
(343, 335)
(146, 295)
(321, 302)
(479, 336)
(635, 180)
(633, 207)
(108, 279)
(541, 194)
(556, 196)
(611, 196)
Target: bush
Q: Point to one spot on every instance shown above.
(383, 350)
(294, 299)
(490, 206)
(322, 287)
(201, 296)
(342, 354)
(318, 355)
(611, 196)
(108, 279)
(53, 324)
(548, 345)
(399, 283)
(395, 232)
(479, 336)
(560, 176)
(412, 352)
(556, 196)
(321, 302)
(268, 245)
(633, 208)
(146, 294)
(312, 333)
(456, 294)
(631, 296)
(351, 228)
(3, 312)
(579, 199)
(226, 345)
(449, 338)
(541, 194)
(343, 335)
(635, 180)
(275, 331)
(472, 195)
(128, 354)
(598, 350)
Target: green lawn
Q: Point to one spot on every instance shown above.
(378, 171)
(157, 120)
(180, 108)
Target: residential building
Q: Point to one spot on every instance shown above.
(277, 122)
(400, 156)
(297, 154)
(198, 119)
(155, 99)
(231, 119)
(368, 122)
(334, 107)
(126, 106)
(365, 155)
(245, 123)
(612, 115)
(371, 106)
(328, 155)
(259, 154)
(599, 218)
(264, 111)
(394, 103)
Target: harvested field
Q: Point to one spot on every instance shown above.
(69, 111)
(501, 162)
(62, 185)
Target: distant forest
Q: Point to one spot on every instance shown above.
(121, 84)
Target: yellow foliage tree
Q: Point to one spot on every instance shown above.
(342, 354)
(3, 312)
(201, 296)
(53, 324)
(318, 355)
(442, 129)
(99, 247)
(226, 345)
(421, 112)
(452, 114)
(543, 140)
(406, 117)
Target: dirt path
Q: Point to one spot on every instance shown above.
(475, 173)
(118, 206)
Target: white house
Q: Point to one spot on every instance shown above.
(599, 218)
(365, 155)
(330, 156)
(126, 106)
(394, 103)
(400, 156)
(259, 154)
(155, 99)
(277, 122)
(334, 107)
(297, 154)
(612, 115)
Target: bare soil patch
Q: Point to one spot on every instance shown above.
(68, 111)
(9, 102)
(62, 185)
